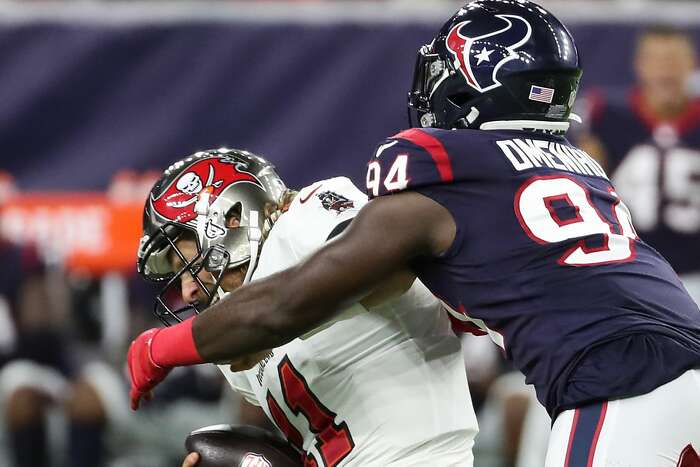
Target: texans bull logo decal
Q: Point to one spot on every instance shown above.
(481, 50)
(213, 176)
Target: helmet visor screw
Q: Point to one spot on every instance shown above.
(427, 120)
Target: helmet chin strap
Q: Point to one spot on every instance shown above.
(201, 208)
(221, 293)
(254, 237)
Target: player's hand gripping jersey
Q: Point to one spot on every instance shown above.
(378, 387)
(547, 261)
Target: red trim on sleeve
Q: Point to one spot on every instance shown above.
(465, 327)
(434, 147)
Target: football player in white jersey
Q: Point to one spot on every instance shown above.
(381, 384)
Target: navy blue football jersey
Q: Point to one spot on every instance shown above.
(655, 166)
(546, 260)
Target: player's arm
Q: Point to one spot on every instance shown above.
(392, 287)
(381, 241)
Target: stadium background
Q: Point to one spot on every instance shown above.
(97, 97)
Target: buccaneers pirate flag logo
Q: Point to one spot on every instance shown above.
(212, 175)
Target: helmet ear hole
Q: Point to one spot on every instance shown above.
(234, 215)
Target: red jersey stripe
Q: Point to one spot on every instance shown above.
(598, 429)
(574, 423)
(434, 147)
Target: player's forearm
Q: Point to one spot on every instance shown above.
(225, 333)
(248, 320)
(273, 311)
(263, 315)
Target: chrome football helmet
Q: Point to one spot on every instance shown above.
(198, 196)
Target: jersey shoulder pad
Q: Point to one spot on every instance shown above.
(411, 159)
(317, 212)
(321, 205)
(336, 194)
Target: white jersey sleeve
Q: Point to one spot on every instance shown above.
(318, 213)
(240, 383)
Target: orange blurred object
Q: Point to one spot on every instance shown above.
(90, 233)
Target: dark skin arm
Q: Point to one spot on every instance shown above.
(381, 242)
(391, 288)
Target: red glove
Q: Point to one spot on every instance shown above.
(145, 373)
(154, 353)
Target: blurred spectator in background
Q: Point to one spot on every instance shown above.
(64, 330)
(34, 377)
(63, 335)
(101, 428)
(63, 394)
(649, 139)
(513, 425)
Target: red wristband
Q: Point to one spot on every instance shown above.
(174, 346)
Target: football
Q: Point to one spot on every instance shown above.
(241, 446)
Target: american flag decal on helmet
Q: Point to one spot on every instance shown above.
(541, 94)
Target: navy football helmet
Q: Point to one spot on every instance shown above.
(497, 64)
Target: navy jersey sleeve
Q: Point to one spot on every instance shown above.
(412, 159)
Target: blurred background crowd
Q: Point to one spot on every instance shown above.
(95, 104)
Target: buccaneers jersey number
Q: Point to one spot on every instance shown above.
(333, 440)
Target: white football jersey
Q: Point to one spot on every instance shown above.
(384, 386)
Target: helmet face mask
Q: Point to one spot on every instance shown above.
(216, 198)
(427, 65)
(433, 81)
(169, 306)
(496, 60)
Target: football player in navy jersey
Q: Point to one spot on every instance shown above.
(518, 232)
(649, 140)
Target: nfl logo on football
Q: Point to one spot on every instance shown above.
(254, 460)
